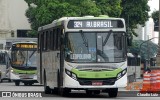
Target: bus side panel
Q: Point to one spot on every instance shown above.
(50, 65)
(2, 71)
(4, 65)
(39, 78)
(55, 67)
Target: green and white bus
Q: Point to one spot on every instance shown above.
(83, 53)
(23, 63)
(4, 66)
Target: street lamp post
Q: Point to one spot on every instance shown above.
(148, 48)
(158, 54)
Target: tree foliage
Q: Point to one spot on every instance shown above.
(111, 8)
(135, 12)
(46, 11)
(155, 16)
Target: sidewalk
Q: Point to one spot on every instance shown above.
(134, 86)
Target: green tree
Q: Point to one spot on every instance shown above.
(111, 8)
(134, 12)
(155, 16)
(46, 11)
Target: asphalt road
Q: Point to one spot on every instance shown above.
(19, 93)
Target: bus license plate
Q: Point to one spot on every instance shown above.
(24, 76)
(96, 83)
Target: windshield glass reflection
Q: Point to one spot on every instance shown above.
(24, 58)
(95, 47)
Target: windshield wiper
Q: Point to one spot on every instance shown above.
(84, 38)
(27, 60)
(106, 39)
(22, 55)
(32, 54)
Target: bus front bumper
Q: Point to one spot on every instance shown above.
(23, 77)
(72, 83)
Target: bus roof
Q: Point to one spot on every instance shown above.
(24, 42)
(61, 20)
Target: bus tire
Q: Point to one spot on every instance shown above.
(30, 84)
(17, 83)
(64, 92)
(55, 91)
(0, 78)
(113, 92)
(9, 80)
(97, 92)
(1, 81)
(47, 89)
(25, 84)
(61, 91)
(89, 92)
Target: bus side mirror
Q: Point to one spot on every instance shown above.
(129, 40)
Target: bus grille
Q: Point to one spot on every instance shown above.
(95, 68)
(107, 81)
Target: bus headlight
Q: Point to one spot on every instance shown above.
(68, 72)
(121, 74)
(72, 75)
(124, 71)
(12, 70)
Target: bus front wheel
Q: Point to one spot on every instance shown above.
(9, 80)
(0, 78)
(29, 84)
(62, 91)
(113, 92)
(17, 83)
(47, 89)
(89, 92)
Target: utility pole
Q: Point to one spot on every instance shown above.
(148, 58)
(158, 54)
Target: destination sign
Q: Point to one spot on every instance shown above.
(30, 46)
(95, 24)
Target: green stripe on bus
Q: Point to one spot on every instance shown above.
(96, 74)
(25, 71)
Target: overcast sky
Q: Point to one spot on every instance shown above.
(154, 5)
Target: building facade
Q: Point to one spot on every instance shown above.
(147, 32)
(12, 20)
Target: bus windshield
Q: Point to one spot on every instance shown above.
(2, 58)
(23, 58)
(95, 47)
